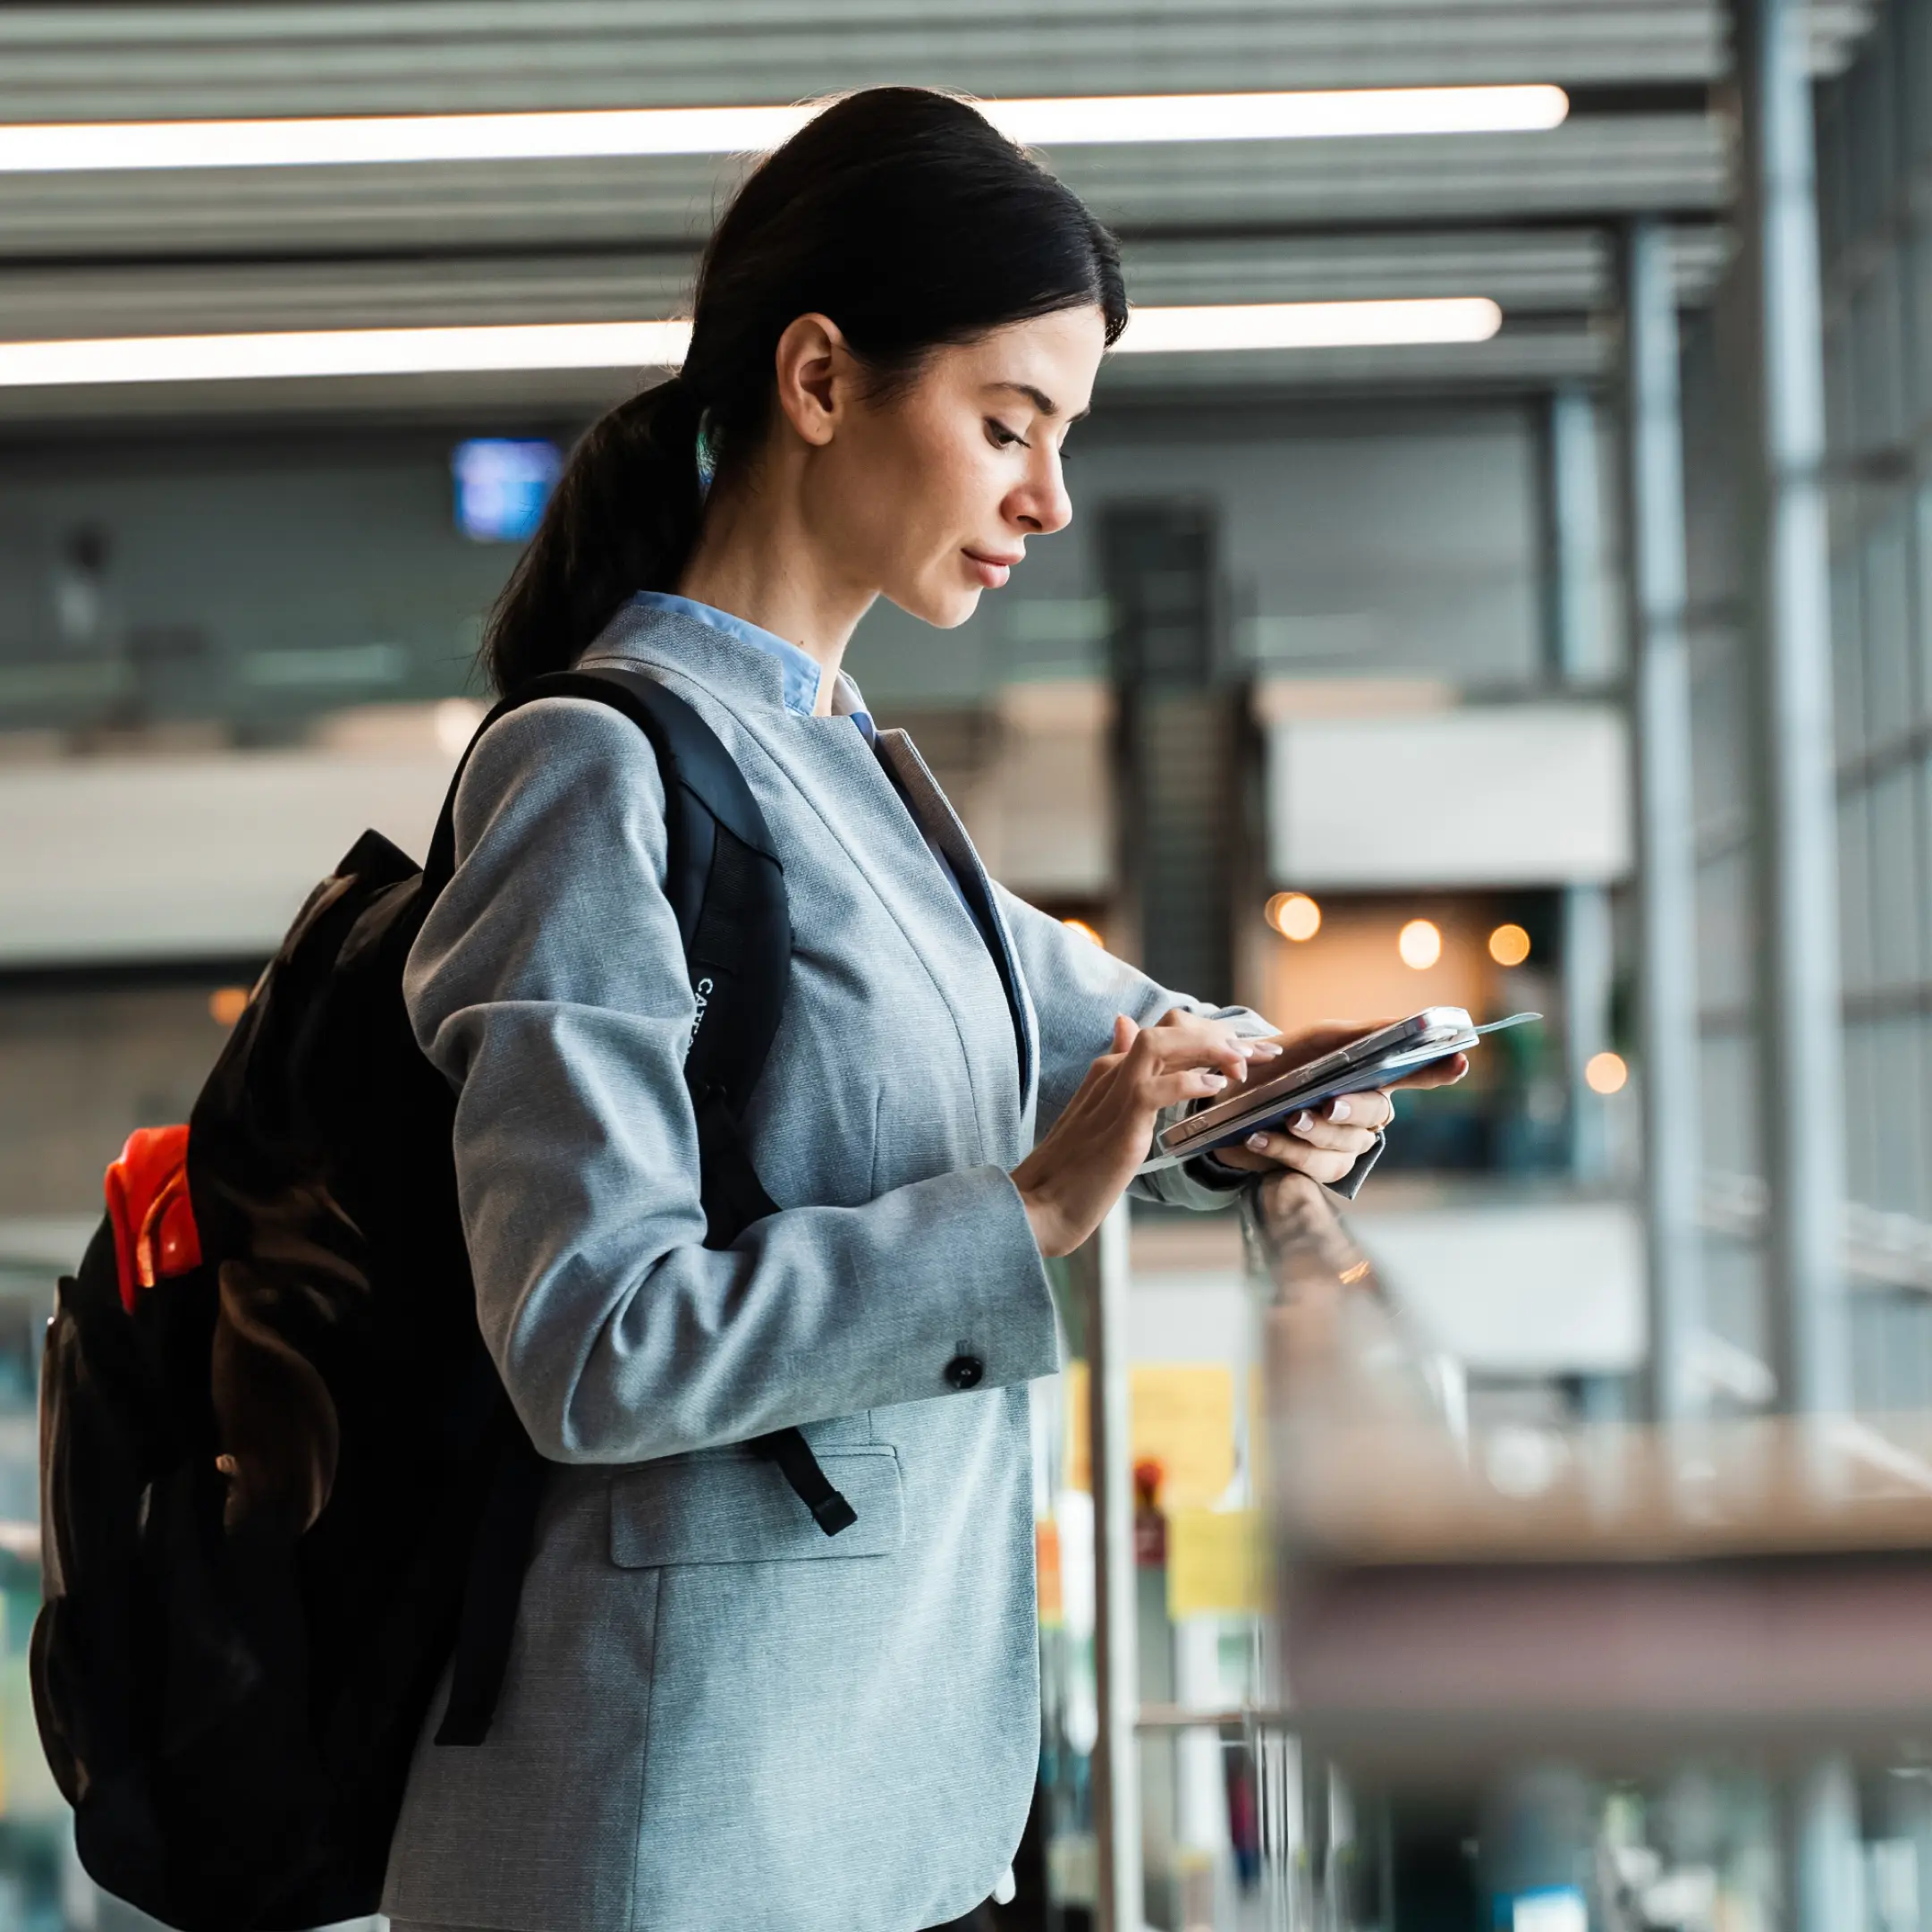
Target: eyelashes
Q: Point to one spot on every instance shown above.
(1002, 437)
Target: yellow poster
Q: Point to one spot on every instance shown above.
(1217, 1565)
(1183, 1419)
(1076, 1462)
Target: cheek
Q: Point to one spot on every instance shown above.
(924, 499)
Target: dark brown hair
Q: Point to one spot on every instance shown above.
(901, 213)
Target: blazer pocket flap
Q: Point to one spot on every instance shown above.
(740, 1509)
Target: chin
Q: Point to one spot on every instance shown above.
(944, 610)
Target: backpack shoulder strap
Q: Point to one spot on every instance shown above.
(727, 891)
(727, 888)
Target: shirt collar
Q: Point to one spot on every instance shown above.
(798, 670)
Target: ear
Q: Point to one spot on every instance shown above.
(814, 371)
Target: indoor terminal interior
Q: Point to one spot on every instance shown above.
(1500, 577)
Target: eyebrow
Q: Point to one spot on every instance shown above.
(1038, 398)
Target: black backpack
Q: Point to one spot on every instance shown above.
(283, 1487)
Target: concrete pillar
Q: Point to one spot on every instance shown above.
(1580, 659)
(1101, 1271)
(1666, 857)
(1783, 399)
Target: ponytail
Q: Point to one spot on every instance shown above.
(901, 213)
(623, 517)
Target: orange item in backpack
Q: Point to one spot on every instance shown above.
(153, 1224)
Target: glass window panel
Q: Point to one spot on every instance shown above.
(1860, 1109)
(1868, 125)
(1734, 1293)
(1867, 1341)
(1876, 359)
(1922, 602)
(1723, 937)
(1841, 408)
(1899, 1152)
(1921, 1024)
(1848, 696)
(1718, 725)
(1897, 884)
(1854, 892)
(1916, 270)
(1914, 45)
(1922, 813)
(1728, 1068)
(1833, 236)
(1887, 622)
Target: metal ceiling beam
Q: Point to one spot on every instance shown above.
(126, 61)
(1557, 272)
(1605, 167)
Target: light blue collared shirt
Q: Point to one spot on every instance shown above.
(800, 670)
(801, 673)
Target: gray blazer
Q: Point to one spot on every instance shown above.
(716, 1719)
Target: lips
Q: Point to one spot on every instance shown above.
(993, 570)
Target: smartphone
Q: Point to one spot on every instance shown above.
(1444, 1028)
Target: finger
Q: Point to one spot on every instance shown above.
(1195, 1043)
(1218, 1036)
(1373, 1110)
(1125, 1032)
(1312, 1130)
(1444, 1073)
(1179, 1020)
(1324, 1165)
(1159, 1089)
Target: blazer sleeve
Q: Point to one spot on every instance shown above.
(548, 985)
(1078, 987)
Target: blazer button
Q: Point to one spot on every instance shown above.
(965, 1372)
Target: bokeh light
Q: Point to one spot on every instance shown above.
(1509, 946)
(1605, 1073)
(227, 1003)
(1419, 943)
(1294, 915)
(1084, 930)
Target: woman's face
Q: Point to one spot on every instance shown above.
(928, 495)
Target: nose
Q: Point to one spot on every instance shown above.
(1040, 505)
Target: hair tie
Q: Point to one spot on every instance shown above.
(707, 454)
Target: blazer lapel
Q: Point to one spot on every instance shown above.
(934, 811)
(830, 768)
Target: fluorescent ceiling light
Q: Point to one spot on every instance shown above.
(376, 351)
(71, 147)
(1326, 116)
(560, 345)
(1313, 325)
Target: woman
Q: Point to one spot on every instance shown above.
(715, 1716)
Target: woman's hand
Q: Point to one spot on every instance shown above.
(1324, 1142)
(1081, 1169)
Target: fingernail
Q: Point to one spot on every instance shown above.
(1303, 1121)
(1265, 1049)
(1217, 1079)
(1258, 1143)
(1338, 1110)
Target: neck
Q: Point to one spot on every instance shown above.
(757, 560)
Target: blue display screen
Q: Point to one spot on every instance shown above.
(502, 485)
